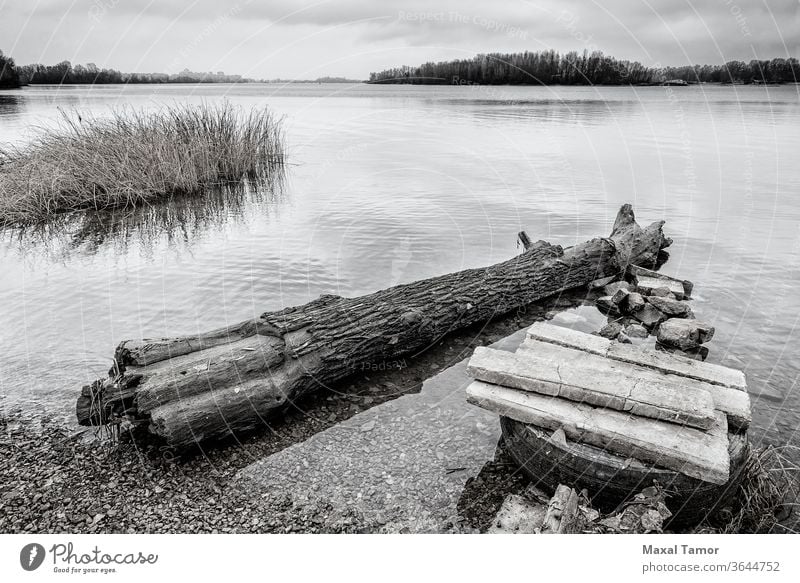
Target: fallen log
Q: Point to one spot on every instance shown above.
(209, 386)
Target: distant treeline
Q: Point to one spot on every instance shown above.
(65, 73)
(573, 68)
(9, 78)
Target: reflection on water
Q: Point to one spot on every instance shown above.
(181, 219)
(10, 104)
(395, 183)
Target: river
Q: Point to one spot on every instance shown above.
(388, 184)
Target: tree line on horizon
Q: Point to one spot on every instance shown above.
(552, 68)
(12, 75)
(9, 77)
(64, 73)
(67, 74)
(527, 68)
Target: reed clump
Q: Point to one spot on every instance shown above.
(135, 157)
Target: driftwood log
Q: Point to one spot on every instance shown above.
(190, 389)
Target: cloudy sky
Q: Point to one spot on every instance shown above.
(308, 39)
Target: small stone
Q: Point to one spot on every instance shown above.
(611, 330)
(614, 287)
(646, 285)
(650, 316)
(602, 282)
(636, 331)
(699, 353)
(631, 303)
(662, 292)
(368, 426)
(623, 338)
(606, 304)
(684, 334)
(619, 295)
(672, 307)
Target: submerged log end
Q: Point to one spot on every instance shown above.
(626, 219)
(637, 245)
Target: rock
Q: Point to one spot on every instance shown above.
(613, 288)
(602, 282)
(605, 304)
(662, 292)
(684, 334)
(624, 339)
(627, 302)
(611, 330)
(632, 303)
(647, 280)
(700, 353)
(650, 316)
(671, 307)
(636, 331)
(619, 295)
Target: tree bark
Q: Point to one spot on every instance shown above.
(194, 388)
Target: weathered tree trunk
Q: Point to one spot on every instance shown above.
(226, 381)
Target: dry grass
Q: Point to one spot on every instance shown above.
(135, 157)
(768, 493)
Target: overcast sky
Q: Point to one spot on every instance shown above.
(308, 39)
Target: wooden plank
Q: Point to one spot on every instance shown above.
(695, 453)
(665, 362)
(733, 402)
(556, 371)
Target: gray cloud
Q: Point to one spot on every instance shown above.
(296, 38)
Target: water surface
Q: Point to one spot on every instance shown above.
(389, 184)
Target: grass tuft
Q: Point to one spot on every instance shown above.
(135, 157)
(766, 497)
